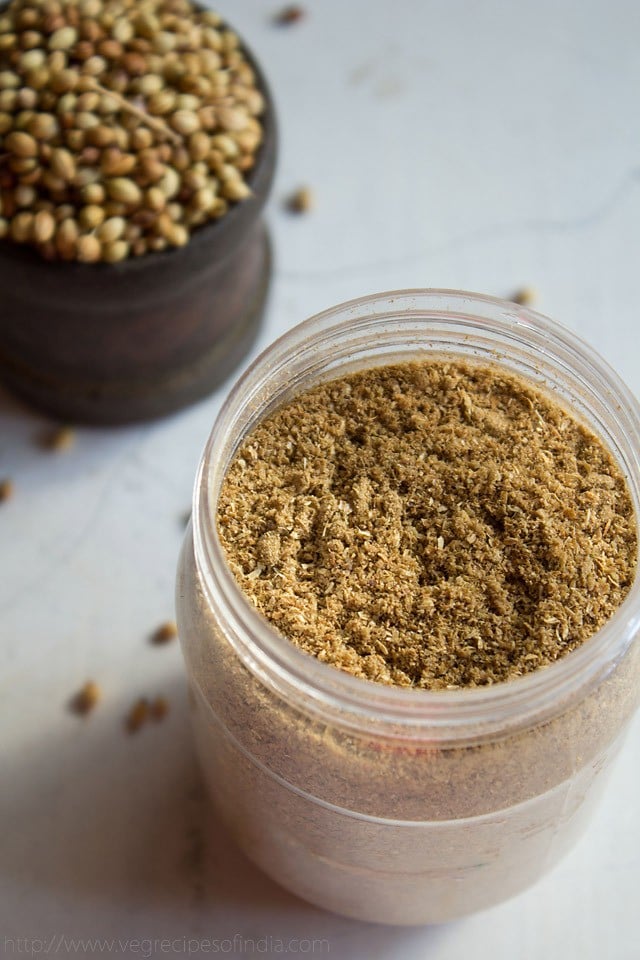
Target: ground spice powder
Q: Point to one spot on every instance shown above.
(429, 524)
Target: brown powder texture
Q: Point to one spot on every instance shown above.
(429, 524)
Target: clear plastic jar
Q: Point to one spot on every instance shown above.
(381, 803)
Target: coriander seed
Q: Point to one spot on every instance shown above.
(59, 439)
(301, 201)
(525, 296)
(87, 698)
(159, 709)
(290, 15)
(165, 633)
(137, 716)
(122, 102)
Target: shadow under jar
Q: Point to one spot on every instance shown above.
(390, 804)
(115, 343)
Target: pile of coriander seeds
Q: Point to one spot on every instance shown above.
(124, 125)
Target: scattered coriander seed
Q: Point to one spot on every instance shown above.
(63, 39)
(290, 15)
(115, 252)
(91, 216)
(301, 201)
(86, 699)
(137, 716)
(59, 439)
(93, 193)
(159, 709)
(177, 235)
(25, 196)
(20, 144)
(6, 489)
(66, 239)
(63, 164)
(525, 296)
(43, 126)
(185, 122)
(21, 227)
(111, 230)
(124, 191)
(204, 199)
(165, 633)
(155, 199)
(236, 190)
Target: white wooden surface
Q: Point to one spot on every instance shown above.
(449, 143)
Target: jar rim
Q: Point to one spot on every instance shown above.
(322, 688)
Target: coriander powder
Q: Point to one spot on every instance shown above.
(432, 524)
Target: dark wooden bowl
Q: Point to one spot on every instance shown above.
(115, 343)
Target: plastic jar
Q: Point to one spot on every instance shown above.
(390, 804)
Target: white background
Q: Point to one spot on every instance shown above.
(479, 145)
